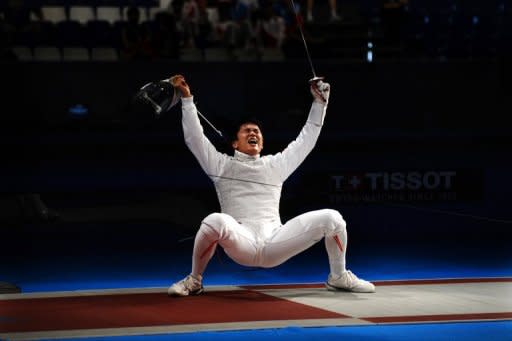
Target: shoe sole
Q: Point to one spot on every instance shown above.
(197, 292)
(192, 293)
(333, 288)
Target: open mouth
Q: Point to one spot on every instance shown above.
(253, 141)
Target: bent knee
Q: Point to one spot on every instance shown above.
(335, 220)
(215, 223)
(214, 219)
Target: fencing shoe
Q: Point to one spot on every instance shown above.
(190, 285)
(349, 282)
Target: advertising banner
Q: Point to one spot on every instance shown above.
(428, 185)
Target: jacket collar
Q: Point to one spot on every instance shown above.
(245, 157)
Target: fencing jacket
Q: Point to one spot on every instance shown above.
(249, 187)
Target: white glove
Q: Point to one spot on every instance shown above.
(320, 91)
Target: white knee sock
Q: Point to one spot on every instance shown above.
(204, 248)
(336, 250)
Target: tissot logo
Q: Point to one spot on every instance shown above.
(395, 181)
(405, 185)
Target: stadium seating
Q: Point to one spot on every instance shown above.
(442, 29)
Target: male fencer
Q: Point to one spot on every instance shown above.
(248, 186)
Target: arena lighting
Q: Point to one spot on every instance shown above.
(369, 52)
(78, 111)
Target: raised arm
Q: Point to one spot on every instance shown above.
(205, 152)
(295, 153)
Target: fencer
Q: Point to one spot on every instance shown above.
(248, 187)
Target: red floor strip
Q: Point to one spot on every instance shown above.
(384, 283)
(445, 281)
(134, 310)
(439, 318)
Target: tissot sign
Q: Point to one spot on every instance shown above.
(414, 185)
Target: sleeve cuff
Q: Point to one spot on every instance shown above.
(187, 101)
(317, 113)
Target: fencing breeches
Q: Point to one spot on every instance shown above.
(246, 247)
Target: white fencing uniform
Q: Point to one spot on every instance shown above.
(249, 189)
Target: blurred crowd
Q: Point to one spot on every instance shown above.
(253, 26)
(250, 25)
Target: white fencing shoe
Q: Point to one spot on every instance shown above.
(349, 282)
(190, 285)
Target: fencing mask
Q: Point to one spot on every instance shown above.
(160, 95)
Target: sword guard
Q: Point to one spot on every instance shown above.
(316, 79)
(314, 83)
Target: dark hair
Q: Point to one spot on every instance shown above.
(236, 126)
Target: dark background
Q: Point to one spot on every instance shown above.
(123, 180)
